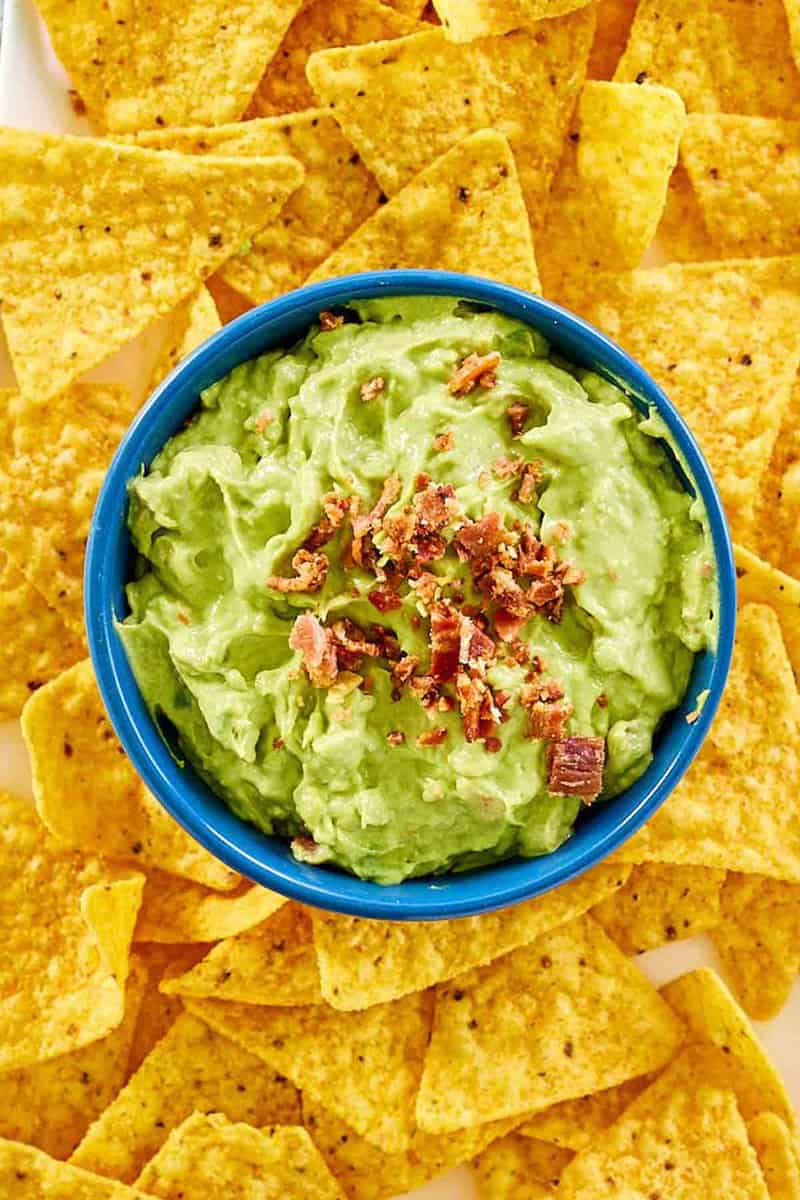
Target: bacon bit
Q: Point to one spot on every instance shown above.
(602, 700)
(278, 743)
(507, 625)
(316, 644)
(306, 850)
(436, 506)
(548, 721)
(264, 420)
(445, 636)
(507, 468)
(182, 617)
(335, 509)
(352, 645)
(538, 664)
(545, 691)
(432, 737)
(386, 641)
(329, 320)
(421, 482)
(426, 689)
(561, 531)
(402, 671)
(385, 599)
(478, 542)
(517, 416)
(395, 737)
(444, 441)
(493, 744)
(372, 388)
(479, 713)
(367, 524)
(575, 767)
(311, 571)
(427, 587)
(531, 478)
(474, 369)
(475, 647)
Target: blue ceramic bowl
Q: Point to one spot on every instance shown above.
(268, 860)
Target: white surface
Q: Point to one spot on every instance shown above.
(33, 95)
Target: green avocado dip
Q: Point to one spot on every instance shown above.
(415, 591)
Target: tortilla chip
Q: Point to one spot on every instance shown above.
(713, 1018)
(158, 1012)
(86, 266)
(191, 1068)
(319, 25)
(176, 910)
(64, 985)
(682, 235)
(438, 93)
(520, 1167)
(465, 211)
(465, 20)
(412, 8)
(228, 301)
(575, 1124)
(52, 460)
(208, 1154)
(81, 776)
(614, 19)
(721, 55)
(759, 941)
(51, 1104)
(564, 1016)
(194, 321)
(760, 582)
(681, 1138)
(661, 904)
(364, 962)
(363, 1067)
(167, 64)
(777, 1156)
(730, 377)
(35, 645)
(776, 535)
(337, 195)
(366, 1173)
(273, 963)
(29, 1174)
(737, 807)
(610, 188)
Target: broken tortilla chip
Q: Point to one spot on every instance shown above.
(172, 63)
(338, 193)
(228, 301)
(777, 1156)
(521, 1167)
(730, 378)
(75, 757)
(192, 322)
(35, 645)
(191, 1068)
(575, 1124)
(364, 1067)
(51, 1104)
(208, 1153)
(158, 1012)
(87, 265)
(614, 18)
(465, 210)
(363, 962)
(758, 582)
(29, 1174)
(583, 1018)
(177, 910)
(682, 235)
(67, 921)
(661, 904)
(318, 26)
(273, 963)
(758, 941)
(465, 20)
(776, 535)
(439, 93)
(721, 55)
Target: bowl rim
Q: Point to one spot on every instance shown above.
(266, 860)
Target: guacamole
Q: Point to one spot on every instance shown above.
(415, 591)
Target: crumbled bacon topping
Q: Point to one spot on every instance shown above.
(367, 524)
(479, 713)
(478, 542)
(306, 850)
(432, 737)
(329, 320)
(372, 388)
(444, 441)
(517, 416)
(507, 468)
(335, 509)
(395, 737)
(385, 598)
(548, 712)
(310, 572)
(475, 369)
(531, 478)
(575, 767)
(317, 646)
(264, 420)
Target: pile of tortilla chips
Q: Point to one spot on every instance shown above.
(168, 1028)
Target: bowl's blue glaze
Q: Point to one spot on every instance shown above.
(268, 860)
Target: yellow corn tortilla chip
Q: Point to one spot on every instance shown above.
(574, 1124)
(228, 301)
(194, 321)
(438, 93)
(465, 211)
(567, 1015)
(364, 1067)
(191, 1068)
(29, 1174)
(100, 239)
(682, 235)
(171, 63)
(35, 645)
(158, 1012)
(777, 526)
(52, 460)
(177, 910)
(721, 55)
(661, 904)
(681, 1140)
(759, 582)
(737, 807)
(273, 963)
(777, 1156)
(51, 1104)
(364, 962)
(614, 19)
(412, 8)
(465, 20)
(66, 921)
(610, 188)
(87, 792)
(729, 376)
(208, 1154)
(319, 25)
(337, 195)
(520, 1167)
(758, 941)
(367, 1173)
